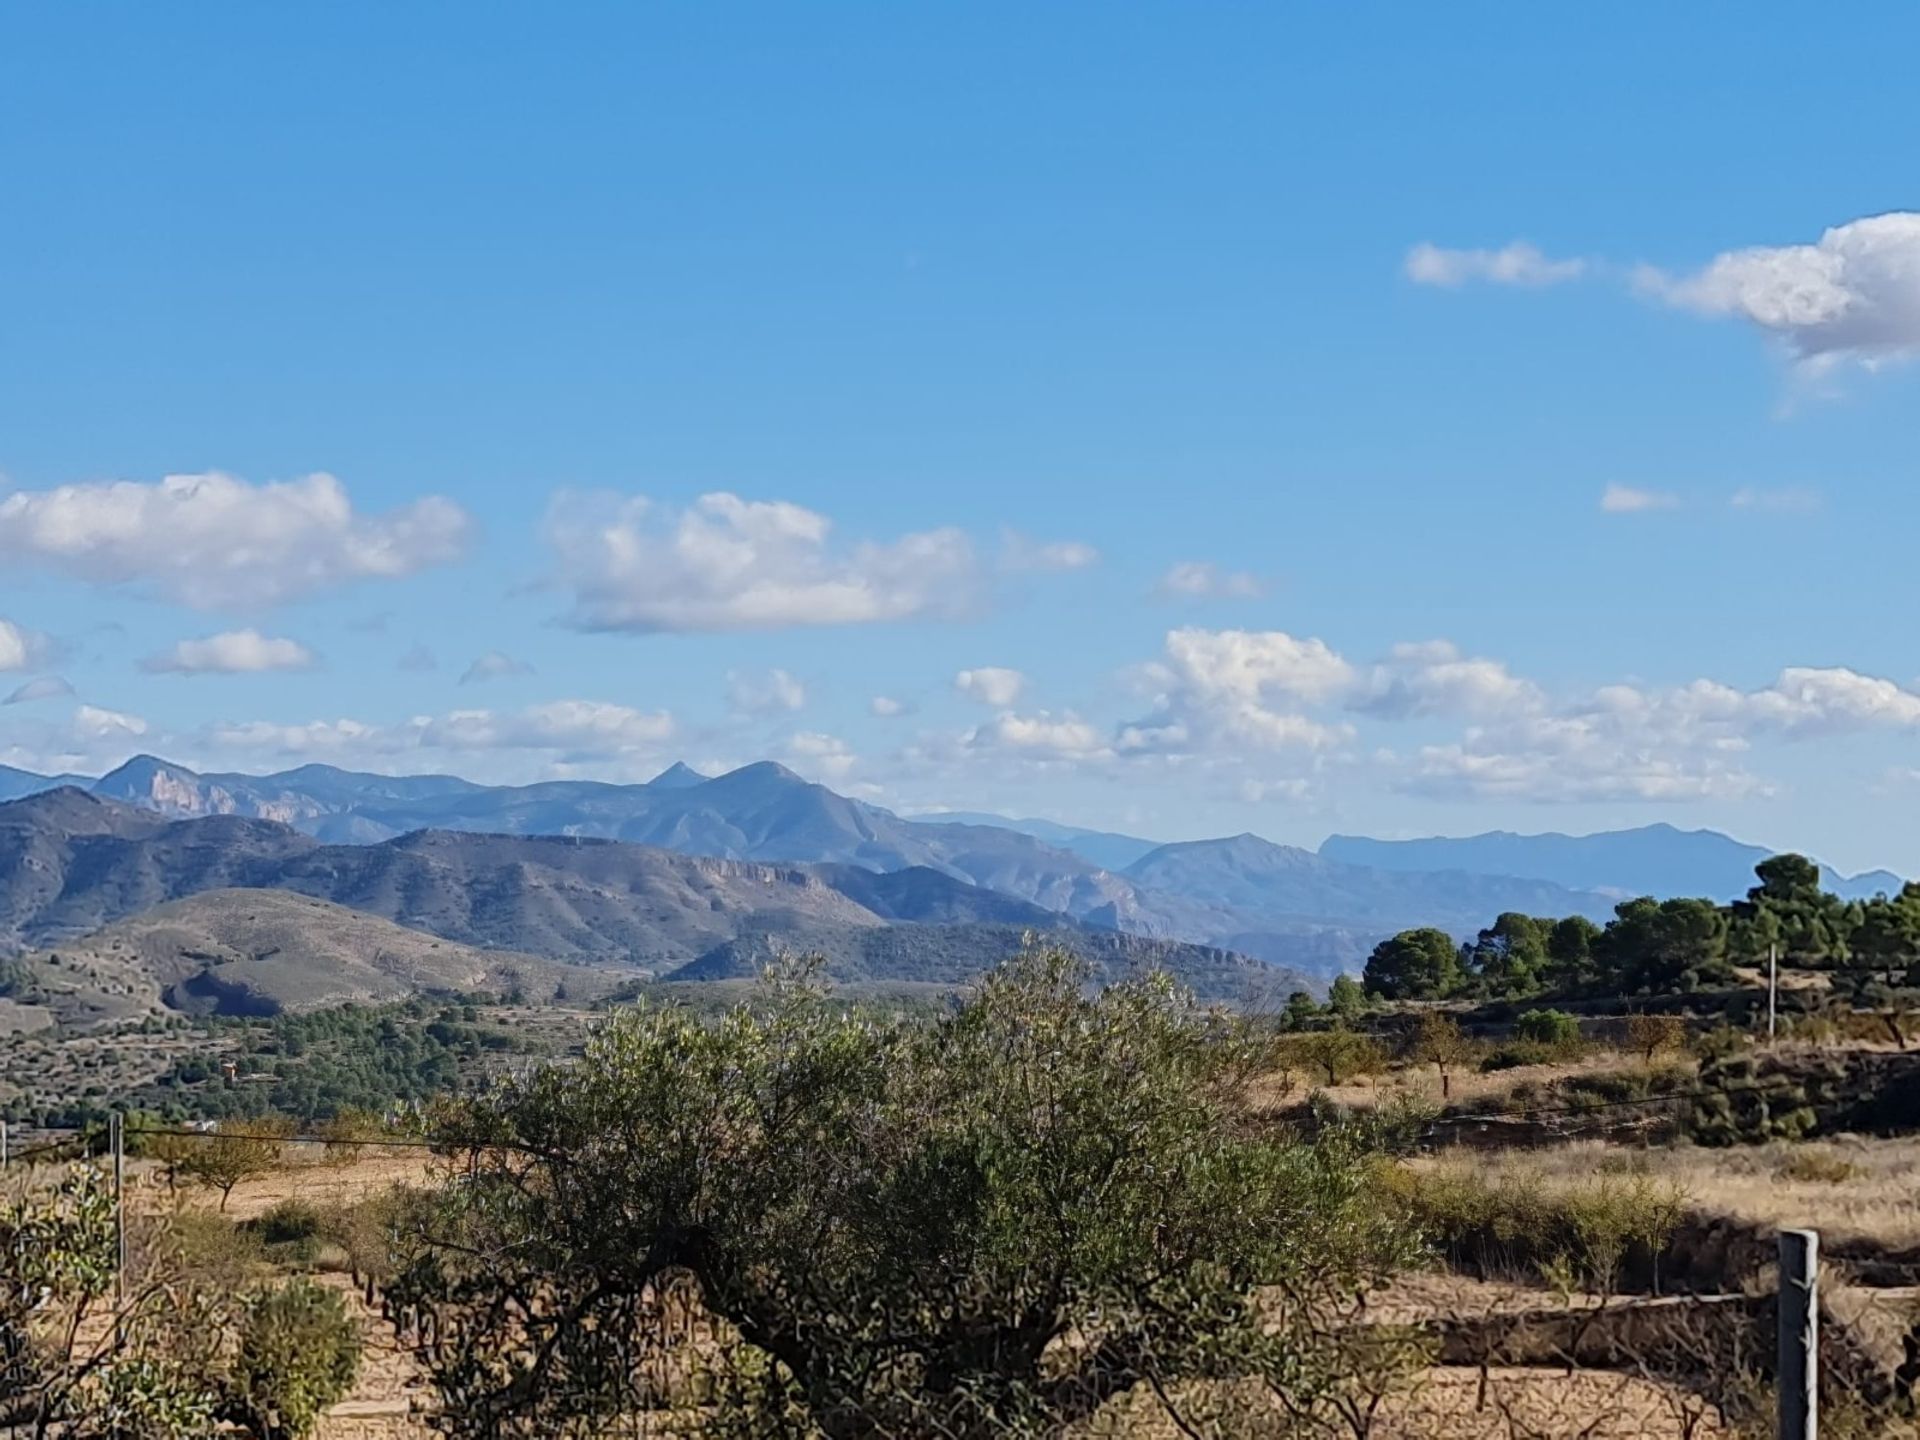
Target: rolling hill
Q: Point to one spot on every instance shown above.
(84, 863)
(1320, 912)
(260, 952)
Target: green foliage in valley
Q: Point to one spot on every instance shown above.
(311, 1066)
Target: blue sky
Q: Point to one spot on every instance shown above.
(1094, 344)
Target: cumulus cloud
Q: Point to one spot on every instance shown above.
(1624, 742)
(1629, 500)
(1223, 688)
(885, 707)
(91, 723)
(991, 685)
(1203, 580)
(765, 692)
(1042, 737)
(576, 729)
(494, 666)
(1852, 295)
(1516, 264)
(826, 757)
(232, 652)
(1021, 552)
(1434, 678)
(47, 687)
(19, 647)
(725, 563)
(213, 541)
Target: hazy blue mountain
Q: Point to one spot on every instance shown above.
(72, 863)
(1652, 860)
(759, 812)
(1260, 881)
(1105, 848)
(678, 776)
(1318, 912)
(16, 783)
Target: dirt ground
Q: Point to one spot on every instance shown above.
(1441, 1403)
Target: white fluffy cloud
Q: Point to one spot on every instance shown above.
(1434, 678)
(724, 563)
(91, 723)
(232, 652)
(885, 707)
(17, 646)
(494, 665)
(579, 727)
(1217, 689)
(991, 685)
(216, 542)
(1516, 264)
(575, 729)
(765, 692)
(1203, 580)
(1623, 742)
(1630, 500)
(88, 740)
(1042, 736)
(1852, 295)
(825, 757)
(1269, 714)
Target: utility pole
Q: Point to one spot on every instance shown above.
(1797, 1375)
(1773, 991)
(117, 1138)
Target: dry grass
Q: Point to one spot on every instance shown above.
(1422, 1083)
(1451, 1403)
(1847, 1188)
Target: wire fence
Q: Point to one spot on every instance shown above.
(96, 1139)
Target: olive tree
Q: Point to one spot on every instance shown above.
(991, 1224)
(184, 1354)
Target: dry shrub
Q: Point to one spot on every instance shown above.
(1818, 1167)
(1587, 1235)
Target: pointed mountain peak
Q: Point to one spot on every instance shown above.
(141, 769)
(763, 772)
(678, 776)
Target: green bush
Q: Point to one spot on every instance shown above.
(1594, 1235)
(1554, 1028)
(288, 1221)
(298, 1353)
(1517, 1053)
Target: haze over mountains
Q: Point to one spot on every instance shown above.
(98, 880)
(1319, 912)
(1652, 860)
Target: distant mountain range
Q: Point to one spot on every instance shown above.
(1276, 903)
(1652, 860)
(1319, 913)
(1104, 848)
(84, 878)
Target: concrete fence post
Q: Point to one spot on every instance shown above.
(1798, 1372)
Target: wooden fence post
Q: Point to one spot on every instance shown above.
(1798, 1372)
